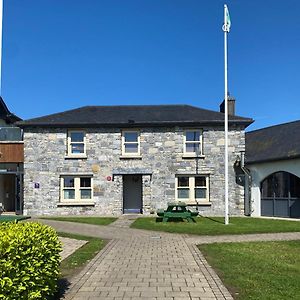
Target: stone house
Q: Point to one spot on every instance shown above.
(111, 160)
(273, 161)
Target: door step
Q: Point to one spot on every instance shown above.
(8, 213)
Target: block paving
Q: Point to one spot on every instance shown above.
(139, 264)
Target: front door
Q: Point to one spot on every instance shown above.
(7, 192)
(132, 194)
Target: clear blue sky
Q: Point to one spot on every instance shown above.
(63, 54)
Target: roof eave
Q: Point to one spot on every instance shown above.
(271, 159)
(243, 123)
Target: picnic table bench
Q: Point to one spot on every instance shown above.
(177, 210)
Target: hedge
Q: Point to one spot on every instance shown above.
(29, 261)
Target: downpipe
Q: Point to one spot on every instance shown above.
(248, 181)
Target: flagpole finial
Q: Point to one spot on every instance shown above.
(227, 22)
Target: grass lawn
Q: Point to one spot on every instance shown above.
(86, 220)
(257, 270)
(12, 218)
(215, 226)
(75, 262)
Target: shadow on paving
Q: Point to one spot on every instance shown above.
(63, 287)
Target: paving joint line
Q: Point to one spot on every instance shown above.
(87, 271)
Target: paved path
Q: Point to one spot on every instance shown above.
(139, 264)
(283, 236)
(70, 246)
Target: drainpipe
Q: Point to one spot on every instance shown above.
(247, 204)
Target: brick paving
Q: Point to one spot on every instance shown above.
(138, 264)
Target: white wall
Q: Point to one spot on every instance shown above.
(260, 171)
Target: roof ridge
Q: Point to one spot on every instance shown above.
(137, 105)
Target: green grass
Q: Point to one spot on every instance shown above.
(75, 262)
(257, 270)
(8, 218)
(215, 226)
(86, 220)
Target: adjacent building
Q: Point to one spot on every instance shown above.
(273, 159)
(111, 160)
(11, 162)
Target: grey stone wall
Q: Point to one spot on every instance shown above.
(162, 158)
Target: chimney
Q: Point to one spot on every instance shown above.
(231, 106)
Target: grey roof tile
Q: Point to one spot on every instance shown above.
(133, 115)
(273, 143)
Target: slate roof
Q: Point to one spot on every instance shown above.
(6, 115)
(131, 116)
(277, 142)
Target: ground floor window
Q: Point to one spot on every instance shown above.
(76, 188)
(192, 189)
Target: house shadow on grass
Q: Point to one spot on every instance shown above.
(63, 286)
(174, 220)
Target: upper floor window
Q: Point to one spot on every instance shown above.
(74, 188)
(130, 143)
(193, 142)
(192, 189)
(76, 143)
(8, 133)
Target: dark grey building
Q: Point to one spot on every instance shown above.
(11, 162)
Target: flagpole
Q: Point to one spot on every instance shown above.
(225, 29)
(1, 22)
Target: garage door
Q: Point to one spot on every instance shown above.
(281, 195)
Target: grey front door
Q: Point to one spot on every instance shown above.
(132, 194)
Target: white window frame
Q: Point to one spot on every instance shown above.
(191, 187)
(131, 154)
(200, 142)
(77, 188)
(69, 144)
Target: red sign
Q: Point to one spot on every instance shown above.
(108, 178)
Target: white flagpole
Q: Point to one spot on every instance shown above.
(225, 29)
(1, 18)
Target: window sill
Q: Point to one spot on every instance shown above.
(11, 142)
(200, 203)
(191, 156)
(75, 156)
(76, 203)
(131, 157)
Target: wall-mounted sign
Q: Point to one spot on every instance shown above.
(108, 178)
(36, 185)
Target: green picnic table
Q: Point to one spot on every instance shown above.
(177, 210)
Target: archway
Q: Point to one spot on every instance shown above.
(280, 195)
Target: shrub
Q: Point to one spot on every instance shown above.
(29, 261)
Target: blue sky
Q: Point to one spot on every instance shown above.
(63, 54)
